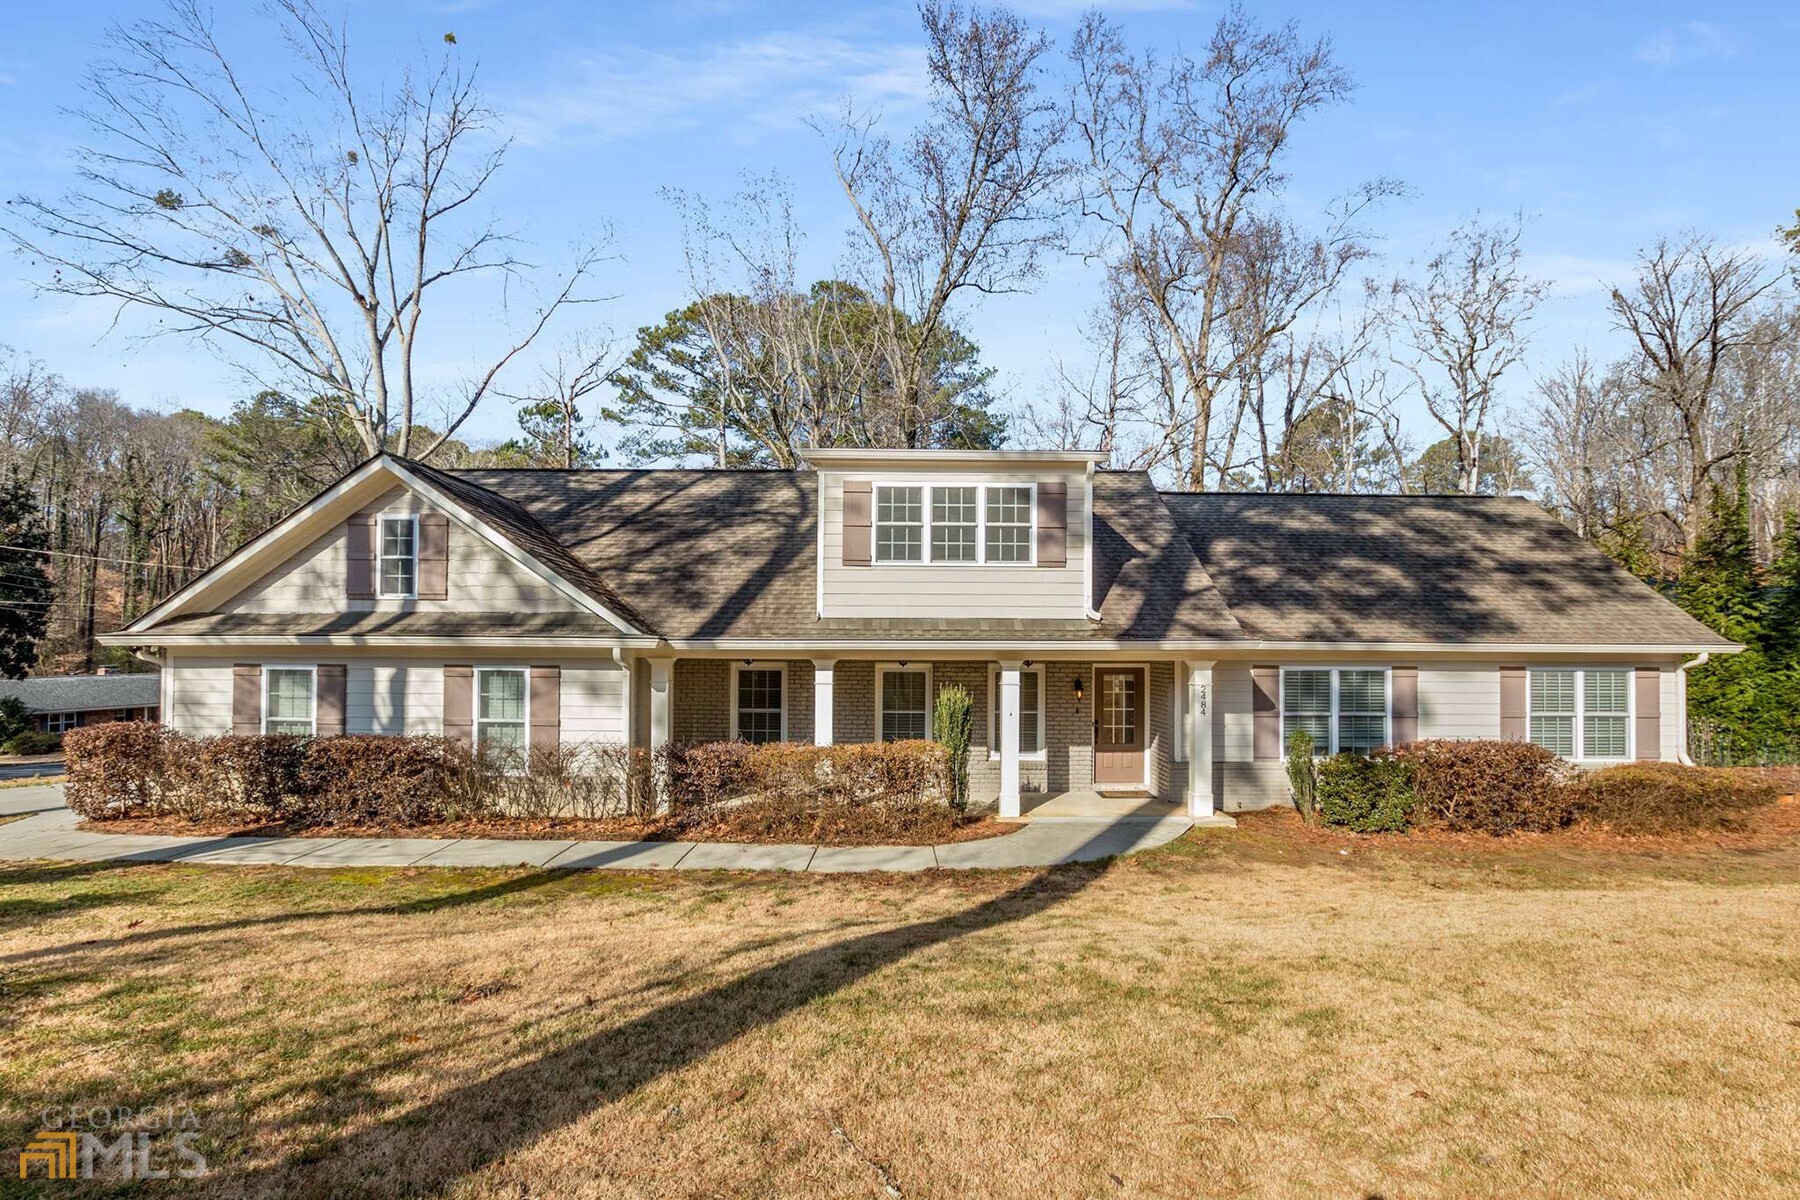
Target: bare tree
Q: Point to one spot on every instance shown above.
(1692, 305)
(1181, 164)
(1464, 324)
(553, 408)
(298, 226)
(966, 205)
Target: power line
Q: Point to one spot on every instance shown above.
(123, 562)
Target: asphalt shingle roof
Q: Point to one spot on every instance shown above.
(1421, 569)
(85, 693)
(394, 624)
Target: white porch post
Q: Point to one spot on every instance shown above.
(822, 700)
(1009, 738)
(1200, 740)
(661, 702)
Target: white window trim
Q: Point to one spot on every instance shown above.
(381, 540)
(884, 669)
(64, 721)
(1581, 755)
(981, 523)
(268, 670)
(475, 718)
(780, 668)
(1387, 703)
(1039, 754)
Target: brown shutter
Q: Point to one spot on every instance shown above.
(329, 713)
(1649, 713)
(359, 566)
(434, 556)
(546, 707)
(1515, 724)
(858, 499)
(1265, 711)
(1405, 684)
(1053, 523)
(459, 704)
(246, 698)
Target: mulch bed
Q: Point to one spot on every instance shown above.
(616, 830)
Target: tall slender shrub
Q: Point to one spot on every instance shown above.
(953, 727)
(1303, 774)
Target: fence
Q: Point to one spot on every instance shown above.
(1712, 745)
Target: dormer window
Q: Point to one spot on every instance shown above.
(397, 571)
(954, 523)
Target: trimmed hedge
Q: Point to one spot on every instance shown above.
(141, 769)
(1496, 787)
(1370, 794)
(1668, 797)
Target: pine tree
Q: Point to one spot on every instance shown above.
(25, 585)
(1720, 587)
(1781, 623)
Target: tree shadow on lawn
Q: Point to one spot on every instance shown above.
(427, 1148)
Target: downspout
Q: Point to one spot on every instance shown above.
(618, 654)
(1087, 547)
(1681, 749)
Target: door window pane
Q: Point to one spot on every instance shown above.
(903, 705)
(899, 524)
(953, 516)
(1009, 524)
(289, 701)
(1118, 709)
(759, 706)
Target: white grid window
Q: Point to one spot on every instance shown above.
(500, 710)
(759, 707)
(288, 694)
(398, 568)
(905, 704)
(1581, 713)
(1009, 524)
(1343, 708)
(60, 722)
(955, 523)
(1031, 712)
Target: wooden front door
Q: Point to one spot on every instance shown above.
(1119, 725)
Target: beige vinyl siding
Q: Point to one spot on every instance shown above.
(1670, 709)
(199, 695)
(1234, 735)
(593, 703)
(1459, 701)
(375, 698)
(965, 590)
(482, 578)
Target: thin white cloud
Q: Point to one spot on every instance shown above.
(1689, 41)
(1059, 9)
(758, 82)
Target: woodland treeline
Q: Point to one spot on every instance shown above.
(313, 235)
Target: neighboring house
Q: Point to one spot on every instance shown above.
(1113, 636)
(59, 703)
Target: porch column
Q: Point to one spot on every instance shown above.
(1200, 740)
(1009, 738)
(822, 700)
(661, 702)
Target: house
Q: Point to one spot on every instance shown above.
(59, 703)
(1114, 637)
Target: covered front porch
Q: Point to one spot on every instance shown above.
(1053, 736)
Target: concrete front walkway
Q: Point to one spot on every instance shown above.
(49, 832)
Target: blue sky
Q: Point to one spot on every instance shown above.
(1607, 124)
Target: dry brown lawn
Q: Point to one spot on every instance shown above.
(1245, 1013)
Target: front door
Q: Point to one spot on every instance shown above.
(1119, 725)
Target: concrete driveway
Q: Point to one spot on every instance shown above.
(49, 832)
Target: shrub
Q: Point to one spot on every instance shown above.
(704, 774)
(32, 741)
(1372, 794)
(15, 718)
(1495, 787)
(242, 776)
(1668, 797)
(1302, 774)
(953, 727)
(120, 769)
(363, 779)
